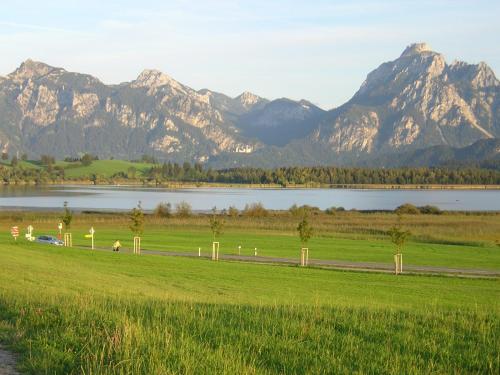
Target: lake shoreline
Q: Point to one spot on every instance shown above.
(201, 185)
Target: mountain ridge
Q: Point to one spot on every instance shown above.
(410, 103)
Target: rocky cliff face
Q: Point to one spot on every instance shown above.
(49, 110)
(412, 102)
(416, 101)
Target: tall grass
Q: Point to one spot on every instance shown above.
(460, 227)
(92, 335)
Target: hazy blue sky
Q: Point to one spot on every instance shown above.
(317, 49)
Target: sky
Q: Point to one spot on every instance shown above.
(319, 50)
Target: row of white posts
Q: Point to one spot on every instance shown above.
(215, 250)
(304, 257)
(304, 252)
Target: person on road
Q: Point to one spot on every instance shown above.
(117, 245)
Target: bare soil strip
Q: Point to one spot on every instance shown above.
(7, 363)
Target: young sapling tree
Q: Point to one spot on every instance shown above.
(136, 217)
(67, 217)
(398, 235)
(305, 230)
(216, 224)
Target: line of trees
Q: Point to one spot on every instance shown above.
(14, 172)
(325, 175)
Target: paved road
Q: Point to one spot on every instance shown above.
(336, 264)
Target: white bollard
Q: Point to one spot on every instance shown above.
(215, 251)
(199, 251)
(68, 240)
(239, 250)
(398, 263)
(137, 245)
(255, 252)
(304, 256)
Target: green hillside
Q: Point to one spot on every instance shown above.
(103, 168)
(26, 164)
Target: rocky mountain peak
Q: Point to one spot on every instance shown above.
(417, 64)
(152, 78)
(415, 49)
(248, 99)
(306, 104)
(485, 77)
(479, 75)
(31, 69)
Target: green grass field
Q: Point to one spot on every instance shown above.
(277, 237)
(288, 246)
(103, 168)
(81, 311)
(100, 168)
(26, 164)
(77, 311)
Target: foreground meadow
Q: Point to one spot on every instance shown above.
(95, 312)
(78, 311)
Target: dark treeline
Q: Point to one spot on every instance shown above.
(15, 175)
(326, 175)
(173, 172)
(482, 164)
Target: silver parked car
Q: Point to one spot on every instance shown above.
(49, 240)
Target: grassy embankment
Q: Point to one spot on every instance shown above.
(76, 311)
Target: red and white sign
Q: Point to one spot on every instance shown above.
(15, 232)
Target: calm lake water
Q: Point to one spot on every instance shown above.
(124, 198)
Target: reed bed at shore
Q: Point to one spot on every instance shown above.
(448, 227)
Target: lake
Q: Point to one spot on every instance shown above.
(203, 199)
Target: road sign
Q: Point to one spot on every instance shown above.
(91, 235)
(14, 231)
(29, 235)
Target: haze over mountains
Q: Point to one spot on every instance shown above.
(414, 102)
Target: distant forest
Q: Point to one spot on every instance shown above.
(50, 172)
(327, 175)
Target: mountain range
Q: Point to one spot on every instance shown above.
(414, 105)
